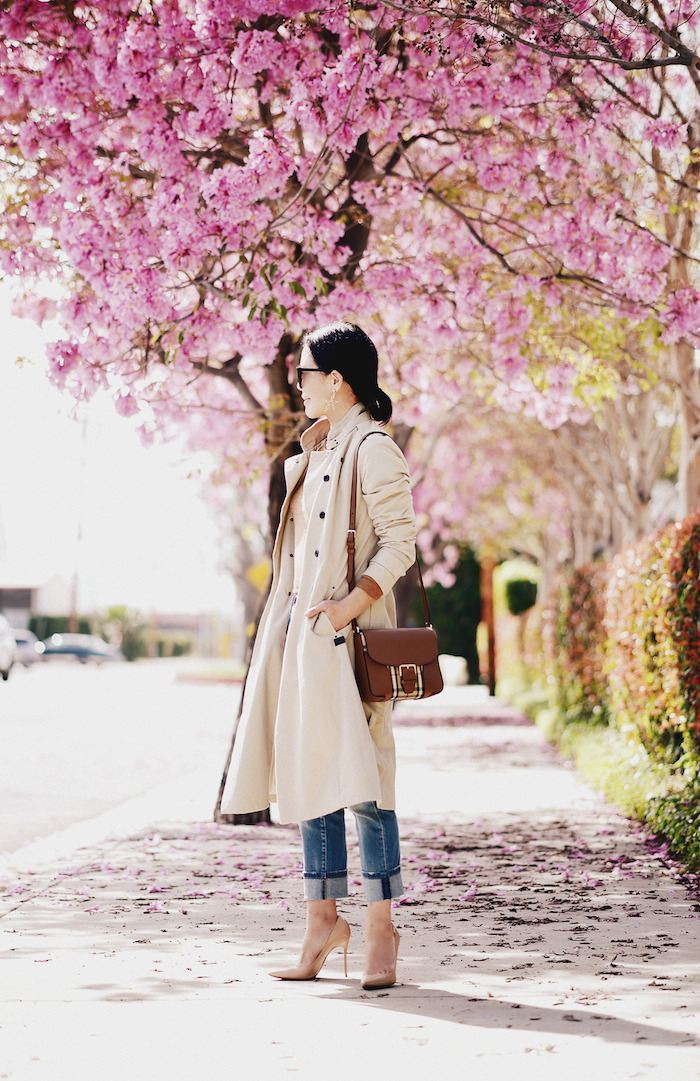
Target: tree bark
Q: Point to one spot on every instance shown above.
(487, 615)
(689, 414)
(280, 439)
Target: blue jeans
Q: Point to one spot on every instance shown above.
(326, 861)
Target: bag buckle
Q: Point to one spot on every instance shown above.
(409, 679)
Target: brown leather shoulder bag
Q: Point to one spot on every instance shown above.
(395, 662)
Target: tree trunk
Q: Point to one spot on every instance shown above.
(284, 409)
(487, 615)
(688, 403)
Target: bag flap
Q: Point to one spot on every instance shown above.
(402, 645)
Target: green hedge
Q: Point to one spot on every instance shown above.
(45, 626)
(455, 611)
(580, 655)
(628, 642)
(627, 666)
(521, 595)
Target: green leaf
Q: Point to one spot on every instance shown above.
(252, 312)
(244, 302)
(298, 288)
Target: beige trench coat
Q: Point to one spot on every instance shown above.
(304, 741)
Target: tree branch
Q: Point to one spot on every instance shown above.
(230, 371)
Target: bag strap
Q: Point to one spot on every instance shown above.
(352, 534)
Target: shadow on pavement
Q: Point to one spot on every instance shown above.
(503, 1014)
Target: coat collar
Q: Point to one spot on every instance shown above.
(314, 438)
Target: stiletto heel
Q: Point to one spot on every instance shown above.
(383, 979)
(338, 938)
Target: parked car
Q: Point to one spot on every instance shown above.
(8, 647)
(86, 647)
(27, 642)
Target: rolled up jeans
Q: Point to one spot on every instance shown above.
(325, 854)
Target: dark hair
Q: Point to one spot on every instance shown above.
(345, 348)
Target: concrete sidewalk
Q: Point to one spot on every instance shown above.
(542, 936)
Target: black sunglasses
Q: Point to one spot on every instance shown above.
(300, 376)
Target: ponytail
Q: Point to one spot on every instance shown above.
(381, 408)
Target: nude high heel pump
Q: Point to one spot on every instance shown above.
(338, 938)
(383, 979)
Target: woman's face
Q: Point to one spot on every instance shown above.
(316, 386)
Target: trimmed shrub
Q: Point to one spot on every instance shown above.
(455, 611)
(521, 595)
(45, 626)
(628, 651)
(581, 646)
(651, 619)
(677, 817)
(684, 620)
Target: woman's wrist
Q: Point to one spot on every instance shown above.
(355, 603)
(343, 611)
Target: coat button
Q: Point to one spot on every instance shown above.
(316, 552)
(326, 477)
(322, 514)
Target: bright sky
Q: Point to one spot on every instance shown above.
(148, 538)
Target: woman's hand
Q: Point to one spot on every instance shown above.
(342, 612)
(335, 610)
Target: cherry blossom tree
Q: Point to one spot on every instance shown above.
(632, 70)
(190, 186)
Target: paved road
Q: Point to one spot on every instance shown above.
(77, 740)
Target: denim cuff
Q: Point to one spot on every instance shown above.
(323, 889)
(382, 887)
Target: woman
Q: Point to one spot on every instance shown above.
(306, 740)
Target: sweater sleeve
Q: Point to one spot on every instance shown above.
(386, 487)
(370, 586)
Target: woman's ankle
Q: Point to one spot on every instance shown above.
(378, 924)
(320, 913)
